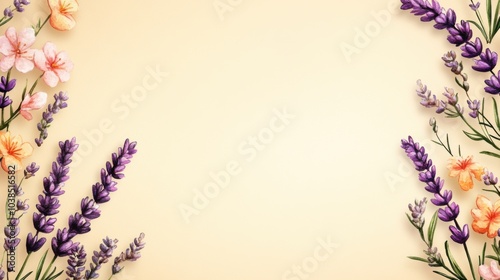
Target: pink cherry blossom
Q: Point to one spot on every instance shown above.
(491, 272)
(56, 65)
(16, 50)
(33, 102)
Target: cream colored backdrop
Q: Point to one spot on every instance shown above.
(268, 134)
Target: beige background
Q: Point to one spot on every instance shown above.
(332, 171)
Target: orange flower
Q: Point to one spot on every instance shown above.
(486, 216)
(465, 169)
(61, 17)
(13, 150)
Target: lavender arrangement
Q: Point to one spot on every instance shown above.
(481, 123)
(44, 243)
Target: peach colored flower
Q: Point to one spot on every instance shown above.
(465, 169)
(16, 50)
(486, 217)
(33, 102)
(56, 65)
(13, 150)
(61, 17)
(491, 272)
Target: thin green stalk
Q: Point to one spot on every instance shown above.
(23, 266)
(49, 267)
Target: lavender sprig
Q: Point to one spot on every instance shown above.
(76, 264)
(131, 254)
(100, 257)
(434, 185)
(48, 116)
(52, 188)
(79, 223)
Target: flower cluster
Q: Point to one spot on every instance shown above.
(480, 125)
(22, 52)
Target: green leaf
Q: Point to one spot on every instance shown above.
(25, 276)
(55, 276)
(418, 259)
(444, 275)
(488, 12)
(40, 265)
(495, 111)
(480, 28)
(473, 136)
(432, 228)
(453, 262)
(490, 154)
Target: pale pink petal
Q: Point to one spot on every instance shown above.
(494, 269)
(7, 62)
(26, 114)
(35, 102)
(50, 78)
(24, 65)
(11, 34)
(62, 74)
(5, 46)
(50, 51)
(26, 38)
(40, 60)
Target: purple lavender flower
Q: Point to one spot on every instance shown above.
(131, 254)
(451, 96)
(460, 34)
(19, 5)
(442, 199)
(6, 86)
(417, 212)
(474, 106)
(486, 62)
(489, 178)
(8, 12)
(427, 175)
(459, 236)
(31, 170)
(62, 245)
(447, 20)
(100, 257)
(80, 223)
(471, 50)
(52, 187)
(493, 84)
(76, 264)
(47, 116)
(34, 244)
(474, 7)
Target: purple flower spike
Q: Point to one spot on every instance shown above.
(486, 62)
(131, 254)
(493, 84)
(475, 105)
(489, 179)
(78, 224)
(460, 236)
(471, 50)
(449, 213)
(47, 116)
(475, 7)
(447, 20)
(76, 264)
(34, 244)
(7, 85)
(62, 245)
(442, 199)
(90, 209)
(460, 34)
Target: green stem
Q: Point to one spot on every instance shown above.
(39, 28)
(49, 267)
(23, 266)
